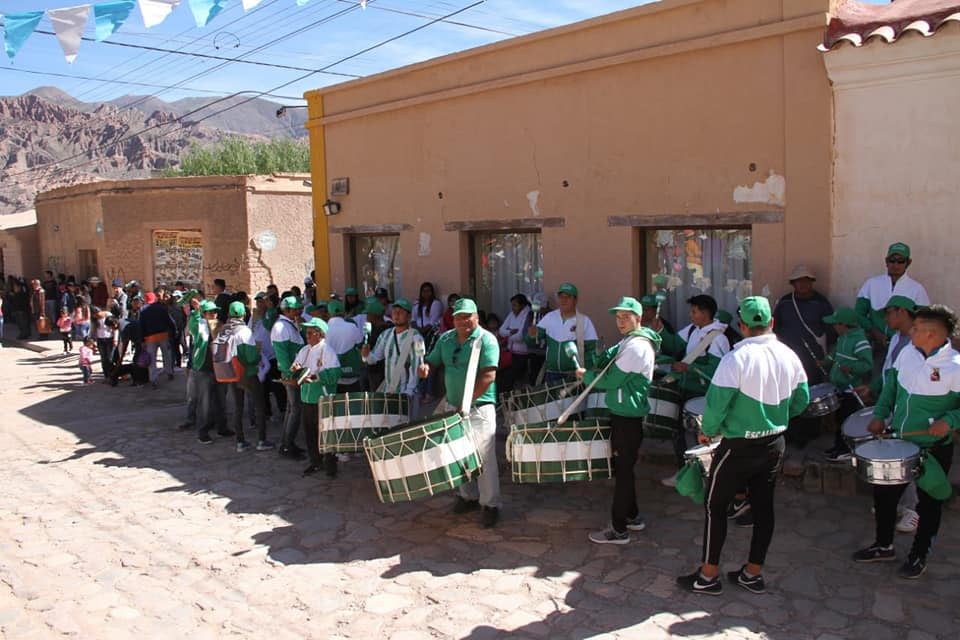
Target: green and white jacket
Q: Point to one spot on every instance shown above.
(852, 350)
(755, 391)
(399, 377)
(557, 331)
(242, 347)
(287, 342)
(918, 390)
(627, 381)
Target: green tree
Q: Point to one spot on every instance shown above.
(240, 156)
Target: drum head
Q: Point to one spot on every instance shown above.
(696, 405)
(886, 450)
(856, 425)
(822, 389)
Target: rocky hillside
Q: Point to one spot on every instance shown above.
(48, 139)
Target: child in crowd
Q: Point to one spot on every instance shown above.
(81, 318)
(65, 325)
(86, 359)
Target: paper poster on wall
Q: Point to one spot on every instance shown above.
(178, 255)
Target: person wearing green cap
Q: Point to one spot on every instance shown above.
(287, 342)
(401, 349)
(352, 305)
(318, 362)
(626, 371)
(756, 389)
(921, 395)
(374, 324)
(876, 291)
(202, 324)
(672, 347)
(559, 327)
(454, 350)
(345, 338)
(849, 365)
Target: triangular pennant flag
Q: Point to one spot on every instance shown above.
(17, 28)
(68, 24)
(156, 11)
(250, 4)
(110, 15)
(300, 3)
(363, 4)
(205, 10)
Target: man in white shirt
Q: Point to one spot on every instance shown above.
(402, 349)
(877, 291)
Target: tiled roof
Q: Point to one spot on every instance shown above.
(856, 22)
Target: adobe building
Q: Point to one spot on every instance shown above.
(248, 230)
(18, 245)
(682, 144)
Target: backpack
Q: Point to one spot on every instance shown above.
(226, 365)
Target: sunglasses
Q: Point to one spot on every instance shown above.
(896, 261)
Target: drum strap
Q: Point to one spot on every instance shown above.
(471, 379)
(820, 340)
(579, 399)
(580, 339)
(698, 350)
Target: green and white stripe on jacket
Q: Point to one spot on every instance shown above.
(627, 381)
(918, 390)
(756, 389)
(287, 342)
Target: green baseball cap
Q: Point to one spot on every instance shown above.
(373, 306)
(260, 294)
(350, 291)
(627, 304)
(208, 305)
(649, 300)
(899, 248)
(335, 307)
(724, 316)
(291, 302)
(403, 303)
(755, 311)
(569, 288)
(315, 323)
(843, 315)
(464, 305)
(901, 302)
(236, 310)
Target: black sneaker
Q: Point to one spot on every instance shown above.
(753, 584)
(875, 553)
(461, 505)
(745, 519)
(636, 524)
(913, 568)
(290, 454)
(610, 536)
(312, 469)
(737, 508)
(489, 517)
(205, 439)
(696, 583)
(226, 433)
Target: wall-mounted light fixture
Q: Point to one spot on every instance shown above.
(331, 207)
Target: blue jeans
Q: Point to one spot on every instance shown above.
(210, 405)
(292, 422)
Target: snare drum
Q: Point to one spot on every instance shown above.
(693, 413)
(855, 428)
(423, 458)
(703, 453)
(347, 418)
(551, 453)
(824, 399)
(887, 461)
(539, 404)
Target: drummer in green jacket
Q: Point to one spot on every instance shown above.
(672, 347)
(318, 362)
(921, 393)
(626, 371)
(559, 328)
(850, 364)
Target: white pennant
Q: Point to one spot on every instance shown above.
(363, 4)
(68, 24)
(250, 4)
(156, 11)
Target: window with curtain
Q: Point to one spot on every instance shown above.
(376, 262)
(681, 263)
(505, 264)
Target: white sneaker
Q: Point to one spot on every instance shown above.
(670, 481)
(908, 521)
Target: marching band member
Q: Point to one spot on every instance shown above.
(922, 394)
(849, 364)
(561, 326)
(322, 369)
(287, 341)
(876, 291)
(755, 391)
(401, 348)
(627, 382)
(453, 350)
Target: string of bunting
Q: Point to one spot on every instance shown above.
(70, 22)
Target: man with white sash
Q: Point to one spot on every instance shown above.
(559, 327)
(626, 377)
(402, 348)
(469, 355)
(877, 291)
(755, 391)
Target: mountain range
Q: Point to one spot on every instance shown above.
(50, 139)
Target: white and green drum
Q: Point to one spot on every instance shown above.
(541, 404)
(347, 418)
(550, 453)
(665, 405)
(423, 458)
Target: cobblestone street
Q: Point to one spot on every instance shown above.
(115, 525)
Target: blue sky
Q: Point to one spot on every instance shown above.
(234, 33)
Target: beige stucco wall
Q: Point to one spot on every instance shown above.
(695, 91)
(21, 251)
(897, 154)
(216, 206)
(64, 226)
